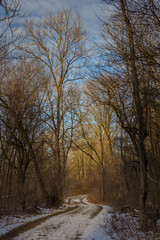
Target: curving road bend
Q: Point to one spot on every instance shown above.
(66, 226)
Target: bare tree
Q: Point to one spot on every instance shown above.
(132, 61)
(20, 121)
(59, 43)
(9, 13)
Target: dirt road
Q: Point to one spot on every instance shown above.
(66, 226)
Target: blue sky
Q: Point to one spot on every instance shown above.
(87, 8)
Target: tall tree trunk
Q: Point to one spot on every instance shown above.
(139, 116)
(41, 182)
(103, 184)
(58, 185)
(143, 179)
(21, 193)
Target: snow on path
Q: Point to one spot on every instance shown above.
(79, 223)
(8, 223)
(97, 229)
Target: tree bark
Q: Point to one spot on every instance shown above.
(41, 182)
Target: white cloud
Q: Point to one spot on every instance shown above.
(87, 8)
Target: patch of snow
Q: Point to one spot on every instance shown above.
(8, 223)
(85, 200)
(80, 223)
(96, 230)
(158, 223)
(75, 199)
(66, 226)
(125, 226)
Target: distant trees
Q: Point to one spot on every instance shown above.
(94, 135)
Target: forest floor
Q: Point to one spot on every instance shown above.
(76, 220)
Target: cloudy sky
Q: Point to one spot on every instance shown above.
(87, 8)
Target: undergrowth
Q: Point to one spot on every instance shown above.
(126, 226)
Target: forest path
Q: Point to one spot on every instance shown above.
(65, 226)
